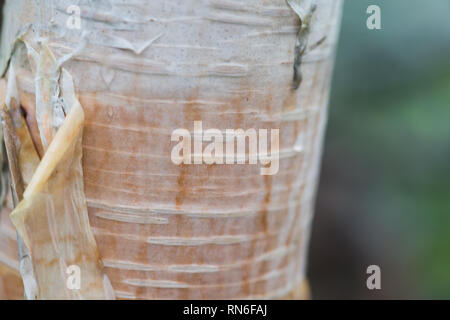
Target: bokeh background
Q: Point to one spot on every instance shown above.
(384, 194)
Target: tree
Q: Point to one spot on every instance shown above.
(143, 70)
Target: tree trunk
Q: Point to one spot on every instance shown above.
(141, 70)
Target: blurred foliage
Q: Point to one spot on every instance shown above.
(386, 171)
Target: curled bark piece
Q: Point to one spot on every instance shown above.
(52, 220)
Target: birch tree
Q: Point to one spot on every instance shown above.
(108, 82)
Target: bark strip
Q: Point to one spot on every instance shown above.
(52, 219)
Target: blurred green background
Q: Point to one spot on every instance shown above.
(384, 194)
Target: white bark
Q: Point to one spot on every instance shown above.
(145, 68)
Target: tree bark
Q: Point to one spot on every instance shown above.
(143, 69)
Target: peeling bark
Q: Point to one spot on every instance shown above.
(145, 68)
(53, 221)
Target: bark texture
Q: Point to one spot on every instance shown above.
(145, 68)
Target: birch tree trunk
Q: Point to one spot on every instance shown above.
(144, 68)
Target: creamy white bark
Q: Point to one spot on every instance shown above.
(145, 68)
